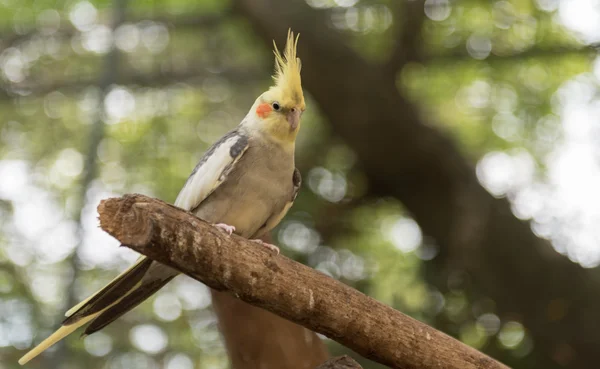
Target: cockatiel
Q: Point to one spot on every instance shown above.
(245, 183)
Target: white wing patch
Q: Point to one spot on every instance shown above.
(211, 171)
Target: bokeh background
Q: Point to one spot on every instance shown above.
(450, 153)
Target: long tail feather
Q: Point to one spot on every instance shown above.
(132, 300)
(112, 292)
(60, 333)
(125, 292)
(75, 308)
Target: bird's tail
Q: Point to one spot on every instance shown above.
(122, 294)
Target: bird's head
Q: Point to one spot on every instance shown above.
(277, 112)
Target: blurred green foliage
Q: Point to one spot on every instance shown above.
(187, 72)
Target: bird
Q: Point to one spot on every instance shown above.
(245, 183)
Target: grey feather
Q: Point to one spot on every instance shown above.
(212, 170)
(257, 188)
(111, 292)
(234, 151)
(130, 301)
(297, 182)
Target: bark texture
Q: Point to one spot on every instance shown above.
(404, 156)
(287, 288)
(258, 339)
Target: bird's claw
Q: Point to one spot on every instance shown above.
(229, 229)
(267, 245)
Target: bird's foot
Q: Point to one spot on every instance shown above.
(271, 247)
(225, 227)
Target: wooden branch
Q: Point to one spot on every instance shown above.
(280, 285)
(252, 347)
(340, 362)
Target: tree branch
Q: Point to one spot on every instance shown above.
(287, 288)
(267, 340)
(253, 348)
(408, 35)
(9, 38)
(459, 54)
(192, 76)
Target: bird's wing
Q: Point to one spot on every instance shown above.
(212, 170)
(145, 277)
(297, 182)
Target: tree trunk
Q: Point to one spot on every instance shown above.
(404, 157)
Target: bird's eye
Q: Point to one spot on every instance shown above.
(276, 106)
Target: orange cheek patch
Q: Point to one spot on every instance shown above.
(263, 110)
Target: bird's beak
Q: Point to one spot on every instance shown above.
(293, 118)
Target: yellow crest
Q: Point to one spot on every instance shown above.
(287, 71)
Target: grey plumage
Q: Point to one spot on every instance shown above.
(253, 201)
(234, 151)
(249, 198)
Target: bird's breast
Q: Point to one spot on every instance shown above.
(259, 186)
